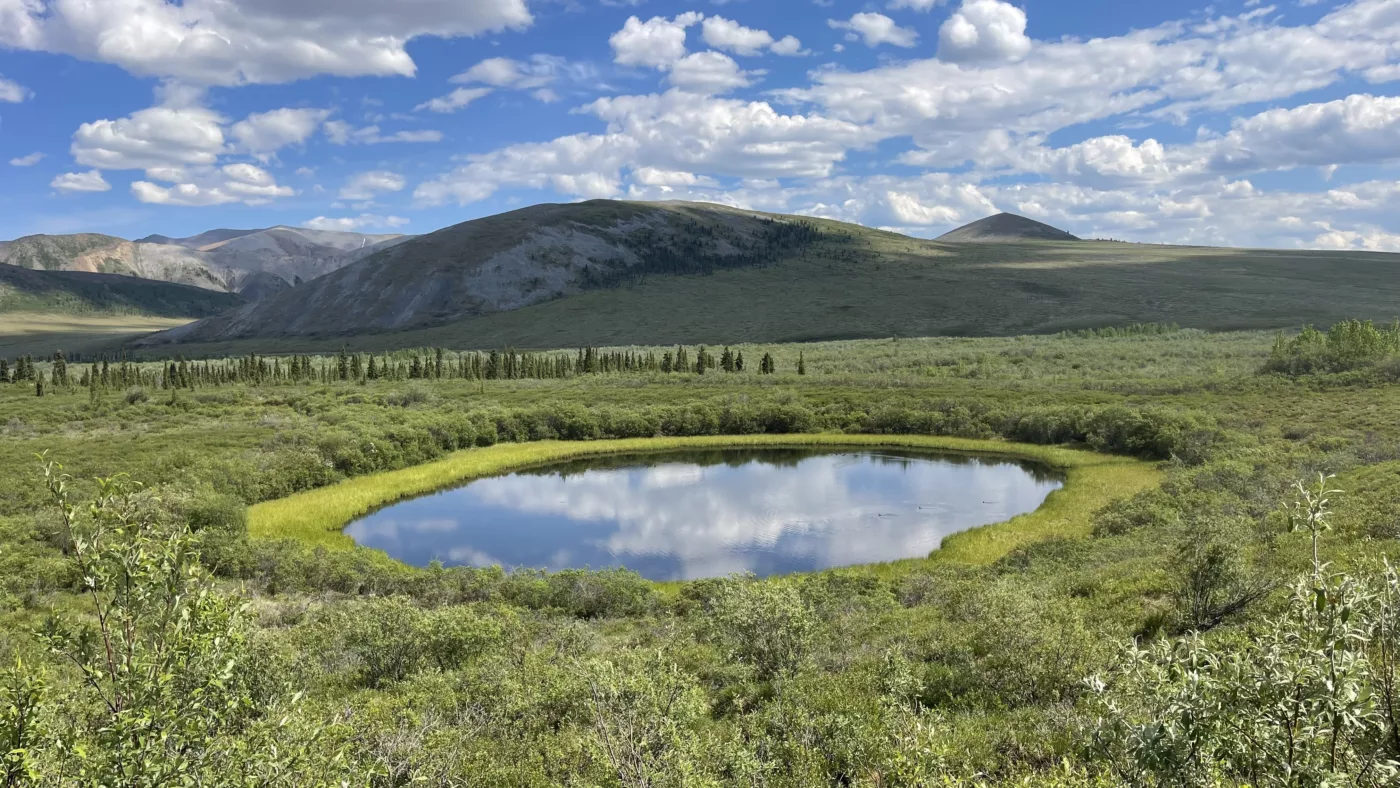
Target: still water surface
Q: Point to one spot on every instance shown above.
(687, 515)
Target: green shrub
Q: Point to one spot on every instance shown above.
(766, 626)
(1348, 345)
(1147, 509)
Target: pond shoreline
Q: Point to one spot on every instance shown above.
(1091, 480)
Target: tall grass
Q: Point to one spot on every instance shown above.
(318, 516)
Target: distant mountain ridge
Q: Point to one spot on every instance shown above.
(236, 261)
(516, 259)
(1004, 227)
(610, 273)
(200, 241)
(79, 292)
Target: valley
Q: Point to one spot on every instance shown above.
(853, 495)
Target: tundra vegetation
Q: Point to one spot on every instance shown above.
(1207, 603)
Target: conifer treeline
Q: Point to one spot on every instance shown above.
(347, 366)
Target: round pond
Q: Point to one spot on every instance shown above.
(694, 514)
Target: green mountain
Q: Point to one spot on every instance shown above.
(612, 273)
(73, 292)
(1004, 227)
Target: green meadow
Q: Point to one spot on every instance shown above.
(1124, 633)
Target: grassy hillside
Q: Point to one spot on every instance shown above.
(72, 292)
(873, 284)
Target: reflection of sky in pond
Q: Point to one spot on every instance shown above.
(706, 514)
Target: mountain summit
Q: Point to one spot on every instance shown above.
(1005, 227)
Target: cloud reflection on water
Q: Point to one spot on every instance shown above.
(683, 518)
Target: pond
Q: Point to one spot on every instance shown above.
(694, 514)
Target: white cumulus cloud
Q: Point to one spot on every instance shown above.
(354, 223)
(874, 30)
(70, 182)
(731, 36)
(658, 42)
(28, 160)
(240, 182)
(234, 42)
(264, 133)
(154, 137)
(708, 72)
(365, 185)
(984, 30)
(457, 99)
(11, 91)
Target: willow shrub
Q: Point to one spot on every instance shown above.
(1311, 698)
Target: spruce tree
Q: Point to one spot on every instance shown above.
(726, 360)
(60, 369)
(666, 361)
(739, 361)
(4, 370)
(700, 361)
(801, 364)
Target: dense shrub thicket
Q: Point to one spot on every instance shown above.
(297, 461)
(1347, 346)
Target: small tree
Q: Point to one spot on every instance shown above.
(60, 369)
(801, 364)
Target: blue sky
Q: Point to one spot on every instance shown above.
(1237, 123)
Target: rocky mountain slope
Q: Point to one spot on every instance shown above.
(1004, 228)
(238, 261)
(506, 262)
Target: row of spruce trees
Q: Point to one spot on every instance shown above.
(345, 366)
